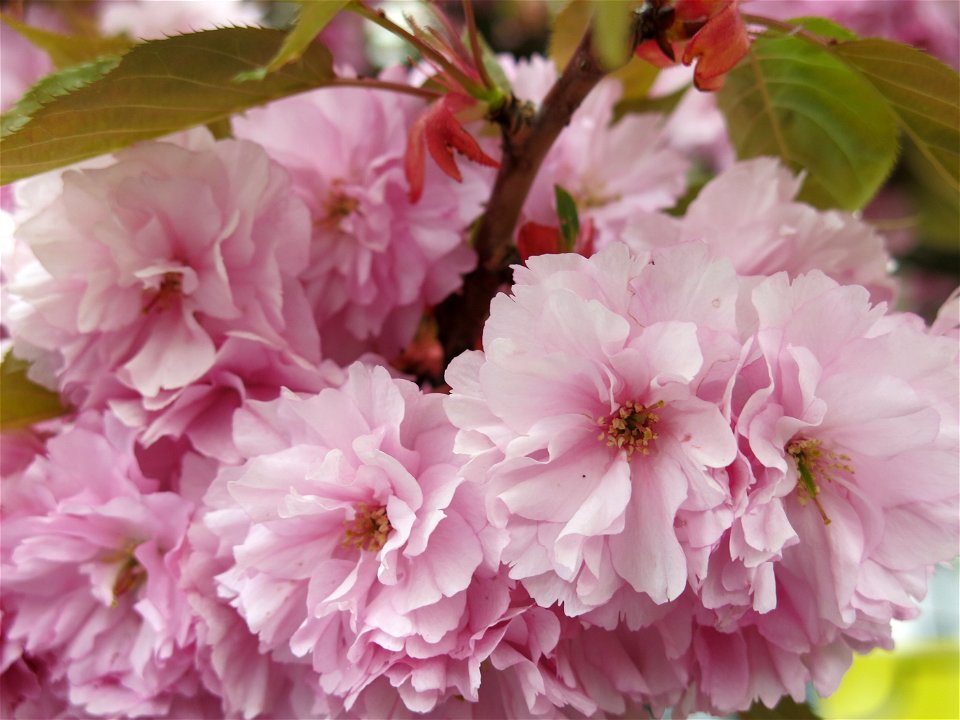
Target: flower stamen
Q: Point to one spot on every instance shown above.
(369, 528)
(815, 465)
(338, 206)
(630, 427)
(163, 296)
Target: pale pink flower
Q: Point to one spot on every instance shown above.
(88, 574)
(359, 541)
(377, 260)
(146, 267)
(593, 417)
(614, 171)
(848, 497)
(748, 214)
(947, 321)
(932, 25)
(154, 19)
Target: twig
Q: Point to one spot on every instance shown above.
(374, 84)
(525, 145)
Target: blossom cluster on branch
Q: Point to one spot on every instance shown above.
(694, 462)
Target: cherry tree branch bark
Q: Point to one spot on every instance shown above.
(526, 141)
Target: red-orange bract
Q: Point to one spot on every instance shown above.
(709, 32)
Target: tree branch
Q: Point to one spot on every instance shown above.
(526, 142)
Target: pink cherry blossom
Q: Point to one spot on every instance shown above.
(88, 577)
(748, 214)
(153, 19)
(147, 267)
(360, 542)
(614, 171)
(848, 497)
(593, 417)
(377, 260)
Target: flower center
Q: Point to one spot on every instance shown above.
(630, 427)
(165, 294)
(369, 528)
(131, 576)
(816, 465)
(338, 206)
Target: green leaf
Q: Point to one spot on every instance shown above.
(613, 31)
(922, 92)
(23, 402)
(786, 709)
(50, 87)
(793, 99)
(824, 28)
(568, 216)
(69, 50)
(312, 17)
(159, 87)
(569, 27)
(636, 77)
(663, 104)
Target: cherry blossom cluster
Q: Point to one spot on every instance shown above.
(697, 463)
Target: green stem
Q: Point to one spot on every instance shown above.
(378, 17)
(375, 84)
(475, 45)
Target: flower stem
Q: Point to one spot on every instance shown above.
(526, 141)
(380, 18)
(475, 45)
(374, 84)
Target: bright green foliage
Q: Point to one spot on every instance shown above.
(69, 50)
(568, 216)
(23, 402)
(567, 31)
(796, 100)
(312, 17)
(923, 93)
(612, 31)
(51, 87)
(158, 87)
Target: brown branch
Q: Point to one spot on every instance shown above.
(526, 143)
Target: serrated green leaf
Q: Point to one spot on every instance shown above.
(567, 31)
(22, 401)
(312, 17)
(159, 87)
(51, 87)
(796, 100)
(824, 28)
(568, 216)
(923, 93)
(69, 50)
(612, 31)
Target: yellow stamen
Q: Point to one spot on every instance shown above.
(630, 427)
(369, 528)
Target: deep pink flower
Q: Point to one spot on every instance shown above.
(593, 418)
(748, 214)
(377, 260)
